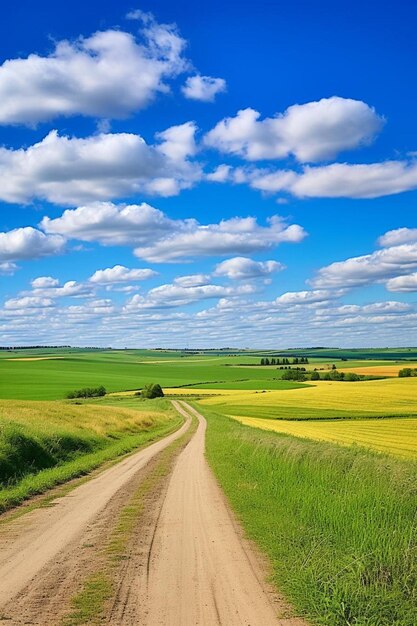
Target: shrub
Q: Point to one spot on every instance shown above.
(87, 392)
(406, 372)
(297, 375)
(153, 390)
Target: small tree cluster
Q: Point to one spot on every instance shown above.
(153, 390)
(407, 372)
(294, 374)
(87, 392)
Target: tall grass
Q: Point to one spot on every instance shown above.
(46, 443)
(339, 524)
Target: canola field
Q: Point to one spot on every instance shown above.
(392, 436)
(395, 397)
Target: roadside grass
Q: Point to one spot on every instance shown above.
(89, 604)
(45, 444)
(393, 436)
(395, 397)
(338, 523)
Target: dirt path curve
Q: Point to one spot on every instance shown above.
(200, 572)
(33, 541)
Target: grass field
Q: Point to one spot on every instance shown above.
(46, 443)
(49, 374)
(337, 523)
(393, 436)
(376, 398)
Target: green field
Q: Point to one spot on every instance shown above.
(336, 519)
(50, 374)
(337, 523)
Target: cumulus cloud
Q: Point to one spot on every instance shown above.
(110, 74)
(204, 88)
(158, 238)
(120, 274)
(243, 268)
(398, 236)
(315, 296)
(379, 266)
(28, 302)
(233, 236)
(403, 284)
(337, 180)
(311, 132)
(28, 243)
(69, 170)
(177, 294)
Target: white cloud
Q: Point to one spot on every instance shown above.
(343, 180)
(177, 294)
(192, 280)
(177, 142)
(28, 243)
(233, 236)
(311, 132)
(68, 170)
(398, 236)
(120, 274)
(7, 268)
(110, 74)
(204, 88)
(28, 302)
(367, 269)
(244, 268)
(221, 174)
(403, 284)
(44, 282)
(316, 296)
(160, 239)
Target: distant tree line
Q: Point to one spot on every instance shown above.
(31, 347)
(87, 392)
(295, 361)
(300, 375)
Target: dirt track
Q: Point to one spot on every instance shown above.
(188, 563)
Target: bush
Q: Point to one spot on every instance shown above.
(87, 392)
(153, 390)
(297, 375)
(406, 372)
(315, 376)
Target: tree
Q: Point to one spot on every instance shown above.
(315, 376)
(153, 390)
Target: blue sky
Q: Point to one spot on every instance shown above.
(241, 174)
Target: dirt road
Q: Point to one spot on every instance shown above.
(188, 563)
(35, 539)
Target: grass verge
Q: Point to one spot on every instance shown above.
(338, 524)
(120, 432)
(91, 602)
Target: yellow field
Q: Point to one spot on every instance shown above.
(91, 418)
(395, 436)
(390, 397)
(378, 370)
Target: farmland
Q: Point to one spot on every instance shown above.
(393, 436)
(320, 473)
(46, 443)
(376, 398)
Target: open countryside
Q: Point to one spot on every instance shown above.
(359, 434)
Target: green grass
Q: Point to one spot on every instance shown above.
(48, 443)
(338, 524)
(52, 379)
